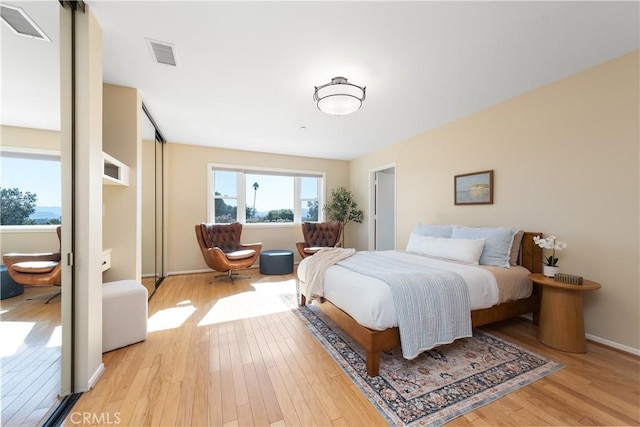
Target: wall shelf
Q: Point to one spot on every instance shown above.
(114, 172)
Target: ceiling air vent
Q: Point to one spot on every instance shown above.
(20, 23)
(162, 53)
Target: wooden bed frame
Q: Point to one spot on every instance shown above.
(375, 342)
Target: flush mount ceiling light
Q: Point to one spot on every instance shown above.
(339, 97)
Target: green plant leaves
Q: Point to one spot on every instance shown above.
(343, 208)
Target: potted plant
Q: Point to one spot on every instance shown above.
(343, 208)
(550, 265)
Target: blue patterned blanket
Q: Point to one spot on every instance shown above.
(432, 304)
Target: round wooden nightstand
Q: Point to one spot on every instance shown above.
(561, 324)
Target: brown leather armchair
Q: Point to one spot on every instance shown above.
(222, 250)
(41, 269)
(318, 235)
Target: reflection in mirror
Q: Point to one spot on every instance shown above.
(159, 208)
(152, 176)
(30, 165)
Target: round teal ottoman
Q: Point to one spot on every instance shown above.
(8, 287)
(276, 261)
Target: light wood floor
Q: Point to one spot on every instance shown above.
(222, 354)
(30, 356)
(150, 284)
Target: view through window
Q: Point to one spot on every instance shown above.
(30, 189)
(264, 196)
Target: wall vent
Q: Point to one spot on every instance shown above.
(20, 23)
(162, 53)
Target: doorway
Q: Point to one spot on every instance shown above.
(382, 231)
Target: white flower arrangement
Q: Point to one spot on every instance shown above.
(553, 244)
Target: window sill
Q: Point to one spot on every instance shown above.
(272, 225)
(8, 229)
(269, 224)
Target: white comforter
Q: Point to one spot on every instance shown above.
(316, 267)
(369, 301)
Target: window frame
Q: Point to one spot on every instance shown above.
(32, 154)
(242, 171)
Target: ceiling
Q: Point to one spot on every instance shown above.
(247, 70)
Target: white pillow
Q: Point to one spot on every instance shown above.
(497, 248)
(461, 250)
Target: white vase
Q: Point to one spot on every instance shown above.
(550, 271)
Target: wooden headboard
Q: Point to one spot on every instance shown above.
(531, 253)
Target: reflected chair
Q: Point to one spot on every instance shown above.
(318, 235)
(40, 269)
(222, 250)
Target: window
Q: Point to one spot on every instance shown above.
(309, 198)
(260, 196)
(31, 187)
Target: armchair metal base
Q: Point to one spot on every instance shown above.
(50, 298)
(231, 275)
(55, 295)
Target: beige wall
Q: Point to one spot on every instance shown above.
(122, 205)
(38, 239)
(566, 161)
(187, 198)
(19, 137)
(43, 239)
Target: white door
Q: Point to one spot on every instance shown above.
(385, 209)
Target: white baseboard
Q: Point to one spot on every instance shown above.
(613, 344)
(603, 341)
(94, 379)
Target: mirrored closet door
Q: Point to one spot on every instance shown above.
(152, 204)
(34, 168)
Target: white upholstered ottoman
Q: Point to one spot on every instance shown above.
(124, 314)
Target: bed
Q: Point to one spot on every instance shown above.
(378, 332)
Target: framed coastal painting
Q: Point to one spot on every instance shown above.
(473, 188)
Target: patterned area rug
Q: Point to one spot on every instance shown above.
(440, 384)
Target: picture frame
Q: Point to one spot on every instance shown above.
(473, 188)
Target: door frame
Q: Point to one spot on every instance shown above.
(372, 204)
